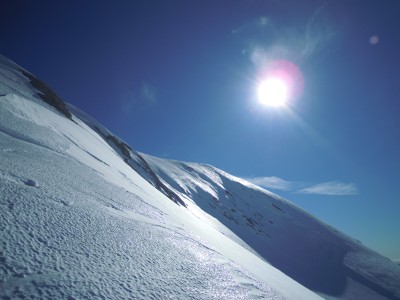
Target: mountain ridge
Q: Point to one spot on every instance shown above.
(312, 253)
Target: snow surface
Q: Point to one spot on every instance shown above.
(311, 252)
(83, 215)
(78, 222)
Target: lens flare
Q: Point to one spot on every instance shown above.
(279, 83)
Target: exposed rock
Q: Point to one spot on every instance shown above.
(48, 95)
(126, 154)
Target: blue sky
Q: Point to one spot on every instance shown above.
(178, 79)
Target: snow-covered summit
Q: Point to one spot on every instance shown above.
(84, 215)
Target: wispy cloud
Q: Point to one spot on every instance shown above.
(148, 93)
(330, 188)
(143, 97)
(335, 188)
(265, 40)
(252, 27)
(272, 182)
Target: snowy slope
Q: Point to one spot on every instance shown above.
(83, 215)
(311, 252)
(78, 222)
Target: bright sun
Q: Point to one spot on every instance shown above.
(273, 91)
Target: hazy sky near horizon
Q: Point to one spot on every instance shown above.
(179, 79)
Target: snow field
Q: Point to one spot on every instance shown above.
(60, 240)
(85, 216)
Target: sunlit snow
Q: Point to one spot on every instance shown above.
(85, 216)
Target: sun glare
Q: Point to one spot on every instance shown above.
(273, 92)
(279, 84)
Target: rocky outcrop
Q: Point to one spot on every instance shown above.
(48, 95)
(139, 165)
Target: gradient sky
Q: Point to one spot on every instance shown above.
(178, 79)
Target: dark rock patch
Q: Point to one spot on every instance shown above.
(48, 95)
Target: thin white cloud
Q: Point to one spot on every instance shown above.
(271, 182)
(148, 93)
(318, 31)
(335, 188)
(266, 40)
(263, 21)
(141, 98)
(258, 23)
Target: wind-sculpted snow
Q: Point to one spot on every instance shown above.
(14, 108)
(16, 80)
(77, 222)
(132, 158)
(312, 253)
(375, 269)
(60, 240)
(83, 215)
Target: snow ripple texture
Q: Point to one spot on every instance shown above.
(60, 240)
